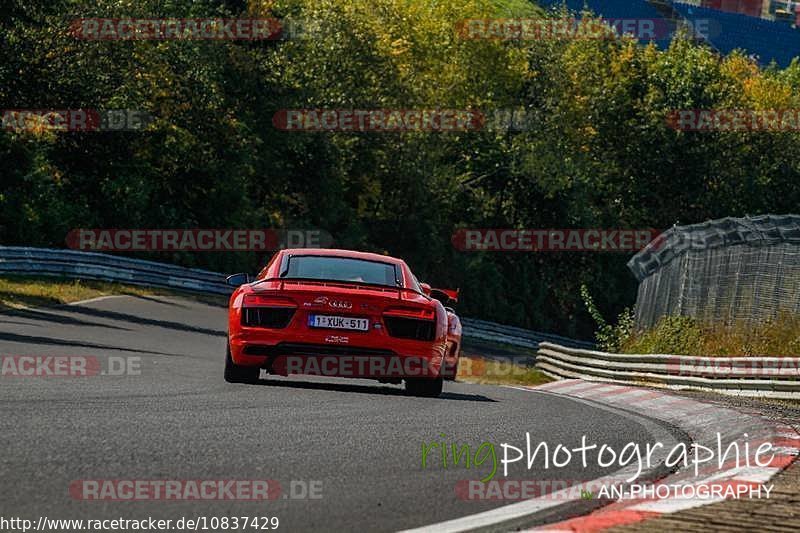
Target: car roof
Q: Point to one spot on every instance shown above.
(351, 254)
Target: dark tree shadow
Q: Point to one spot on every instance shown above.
(125, 317)
(33, 339)
(46, 317)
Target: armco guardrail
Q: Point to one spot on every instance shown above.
(776, 377)
(525, 338)
(103, 267)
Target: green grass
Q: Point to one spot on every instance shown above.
(31, 291)
(490, 372)
(492, 363)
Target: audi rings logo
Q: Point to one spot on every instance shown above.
(340, 304)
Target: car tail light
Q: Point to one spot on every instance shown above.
(260, 311)
(410, 323)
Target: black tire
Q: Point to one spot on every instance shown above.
(239, 374)
(427, 388)
(452, 374)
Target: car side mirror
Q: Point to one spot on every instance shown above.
(238, 279)
(426, 289)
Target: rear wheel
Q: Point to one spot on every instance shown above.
(428, 388)
(452, 373)
(239, 374)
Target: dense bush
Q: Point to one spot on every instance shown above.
(686, 336)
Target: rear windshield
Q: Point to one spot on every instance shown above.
(326, 268)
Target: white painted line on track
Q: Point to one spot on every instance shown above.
(98, 299)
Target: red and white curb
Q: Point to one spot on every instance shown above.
(702, 421)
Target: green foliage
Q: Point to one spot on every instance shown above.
(598, 154)
(677, 335)
(610, 337)
(685, 336)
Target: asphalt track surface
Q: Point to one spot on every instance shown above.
(178, 419)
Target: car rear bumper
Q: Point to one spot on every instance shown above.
(405, 359)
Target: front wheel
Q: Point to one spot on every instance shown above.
(428, 388)
(239, 374)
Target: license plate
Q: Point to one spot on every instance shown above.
(338, 322)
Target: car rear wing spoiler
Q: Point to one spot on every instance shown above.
(314, 281)
(446, 295)
(449, 294)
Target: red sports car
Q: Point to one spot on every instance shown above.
(345, 314)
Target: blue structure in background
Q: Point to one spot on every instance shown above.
(609, 8)
(614, 9)
(765, 39)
